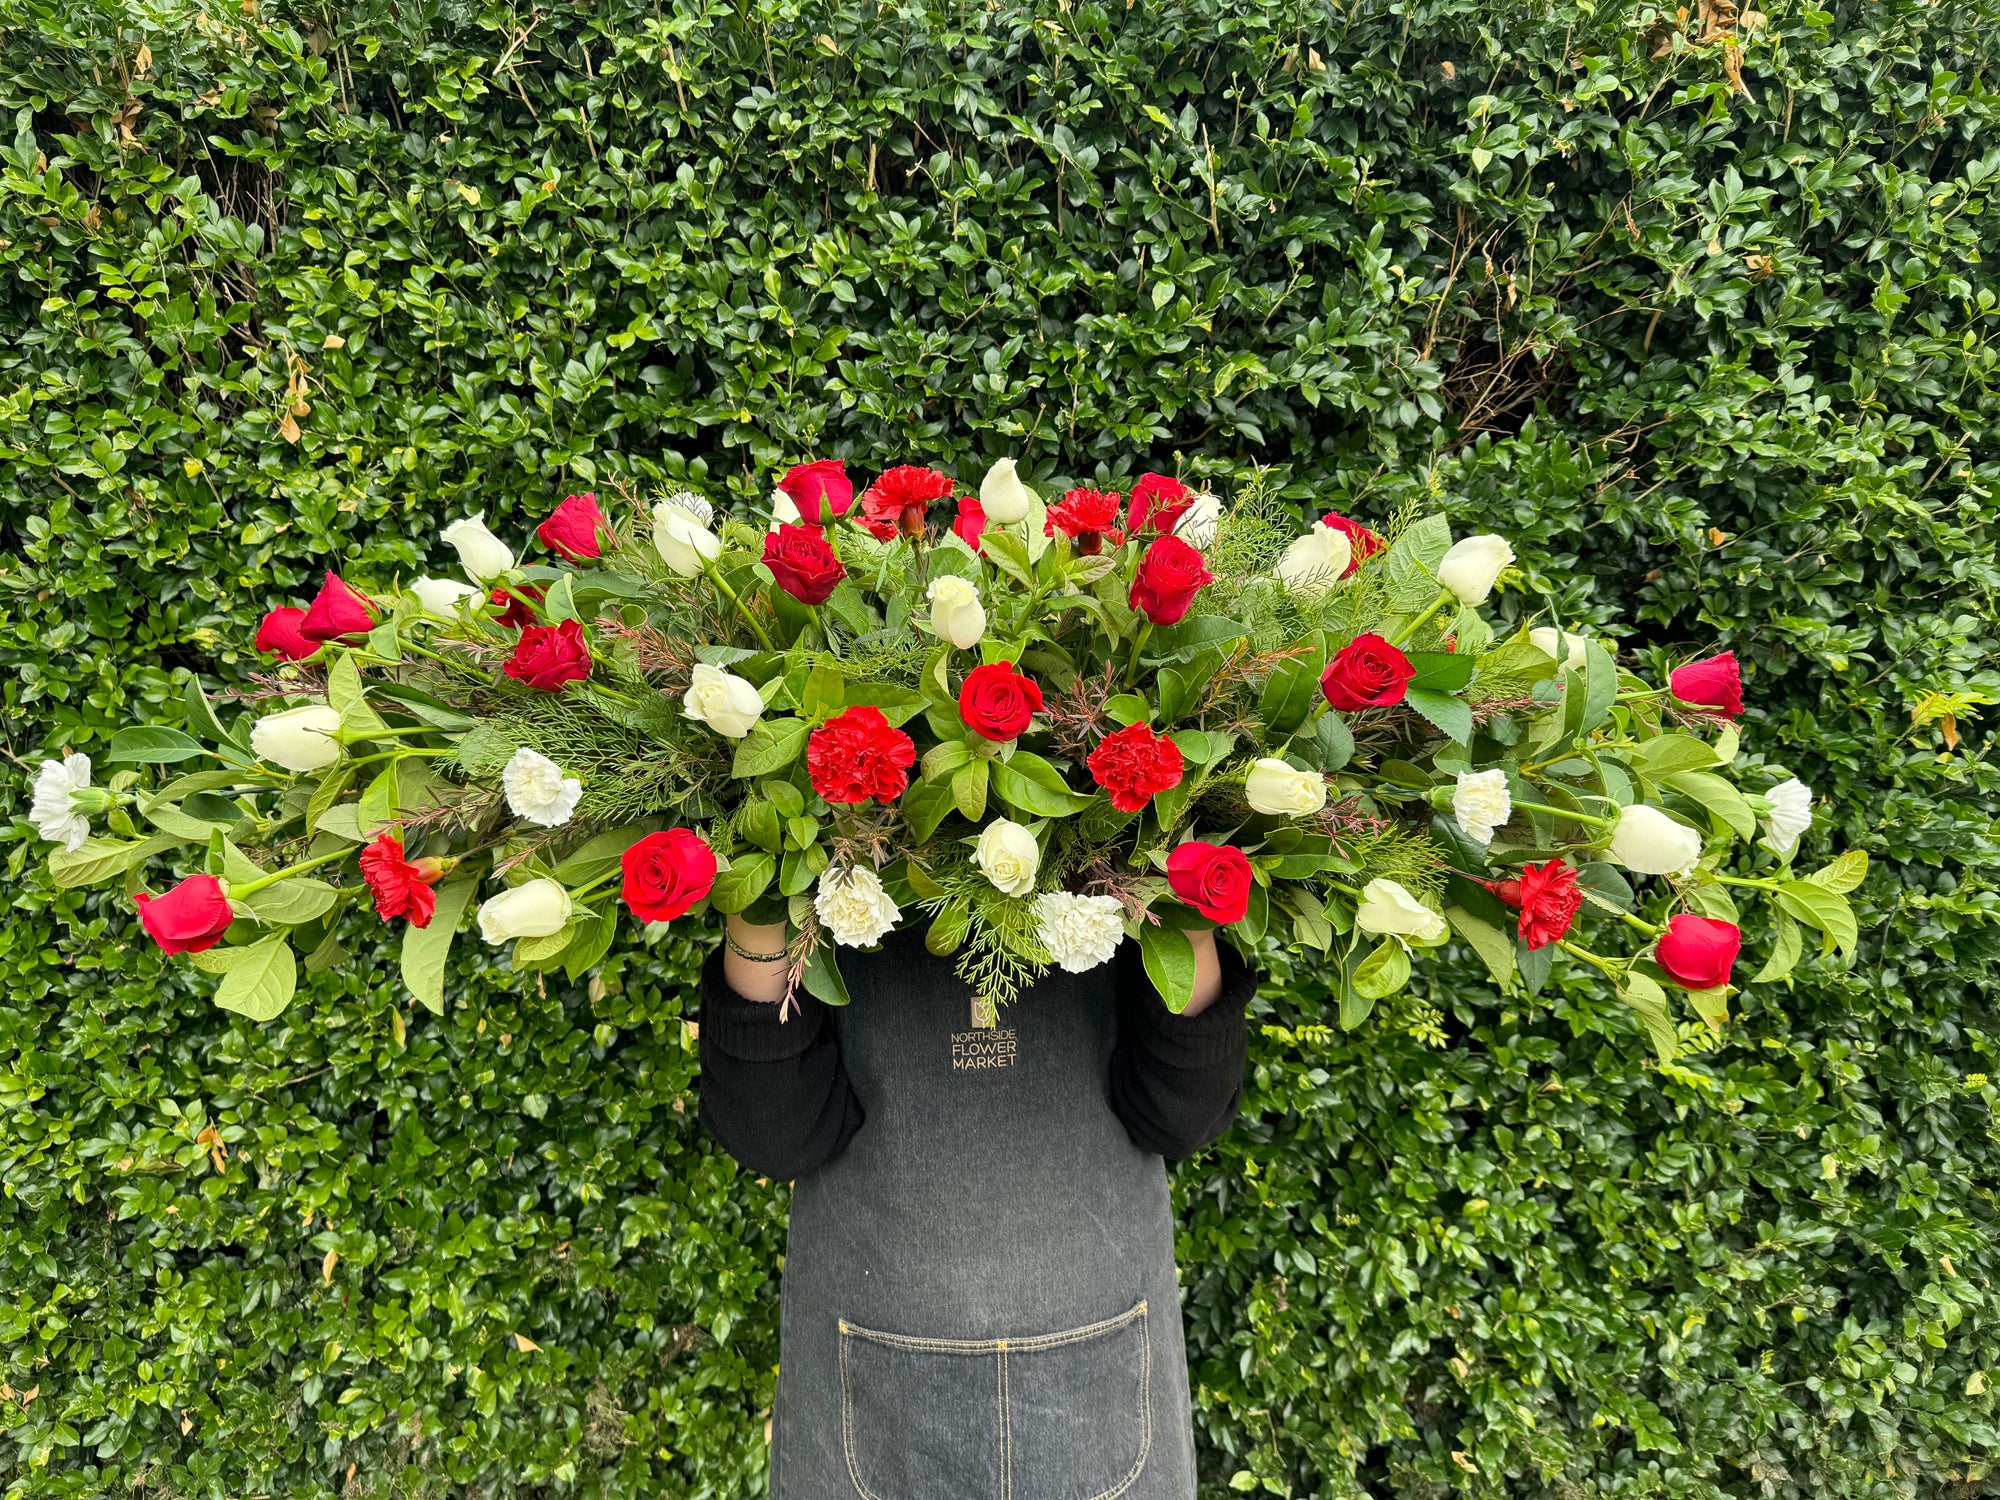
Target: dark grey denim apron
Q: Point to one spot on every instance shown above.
(979, 1293)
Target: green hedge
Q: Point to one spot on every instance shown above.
(1697, 311)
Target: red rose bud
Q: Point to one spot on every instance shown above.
(1362, 543)
(517, 604)
(821, 490)
(281, 635)
(190, 918)
(336, 612)
(667, 873)
(1714, 683)
(1170, 575)
(550, 657)
(1699, 952)
(901, 500)
(1367, 672)
(398, 885)
(997, 701)
(1547, 897)
(803, 563)
(1214, 879)
(858, 754)
(1134, 765)
(576, 529)
(970, 521)
(1158, 502)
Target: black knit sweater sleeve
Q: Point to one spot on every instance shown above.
(773, 1091)
(1177, 1081)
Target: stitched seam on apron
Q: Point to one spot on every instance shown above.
(847, 1423)
(993, 1346)
(1145, 1411)
(1006, 1431)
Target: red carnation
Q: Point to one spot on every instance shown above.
(900, 500)
(190, 918)
(1548, 898)
(858, 754)
(576, 528)
(1699, 952)
(337, 611)
(1133, 765)
(1362, 543)
(821, 490)
(517, 604)
(281, 635)
(550, 657)
(1367, 672)
(1214, 879)
(666, 873)
(1089, 516)
(803, 563)
(997, 701)
(970, 521)
(1170, 575)
(400, 888)
(1714, 683)
(1158, 503)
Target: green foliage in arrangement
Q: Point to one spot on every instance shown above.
(1695, 305)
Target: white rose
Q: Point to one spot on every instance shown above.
(299, 739)
(1648, 842)
(1315, 562)
(1080, 932)
(1008, 855)
(1481, 803)
(723, 701)
(1387, 908)
(1471, 565)
(1791, 814)
(784, 510)
(854, 907)
(537, 789)
(482, 554)
(538, 909)
(1002, 495)
(1560, 646)
(1200, 520)
(694, 505)
(54, 812)
(1279, 789)
(956, 613)
(440, 596)
(683, 542)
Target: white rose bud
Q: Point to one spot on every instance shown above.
(482, 554)
(683, 542)
(853, 906)
(694, 505)
(1648, 842)
(723, 701)
(1791, 814)
(1560, 646)
(1002, 495)
(784, 510)
(1200, 521)
(1481, 803)
(538, 791)
(1279, 789)
(1315, 562)
(956, 613)
(1080, 932)
(538, 909)
(1386, 908)
(441, 596)
(299, 739)
(1470, 567)
(54, 811)
(1008, 855)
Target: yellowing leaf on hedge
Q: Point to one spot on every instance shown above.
(526, 1345)
(326, 1266)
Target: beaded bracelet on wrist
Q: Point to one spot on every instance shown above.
(756, 958)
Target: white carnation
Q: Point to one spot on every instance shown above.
(1791, 814)
(854, 907)
(55, 814)
(538, 791)
(1080, 932)
(1481, 803)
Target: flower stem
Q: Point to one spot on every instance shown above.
(251, 887)
(1138, 645)
(1564, 812)
(1445, 596)
(1610, 969)
(1754, 885)
(742, 609)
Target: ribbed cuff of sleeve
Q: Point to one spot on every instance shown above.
(1215, 1035)
(753, 1029)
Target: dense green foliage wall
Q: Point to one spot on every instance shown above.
(1696, 307)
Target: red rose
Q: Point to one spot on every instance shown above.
(517, 604)
(550, 656)
(190, 918)
(1548, 898)
(400, 888)
(858, 754)
(1158, 503)
(1134, 764)
(1170, 575)
(337, 611)
(900, 500)
(1214, 879)
(1699, 952)
(281, 635)
(576, 529)
(1714, 682)
(998, 701)
(1362, 543)
(971, 520)
(802, 563)
(666, 873)
(1367, 672)
(821, 490)
(1089, 516)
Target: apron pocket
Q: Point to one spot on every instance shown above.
(1054, 1416)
